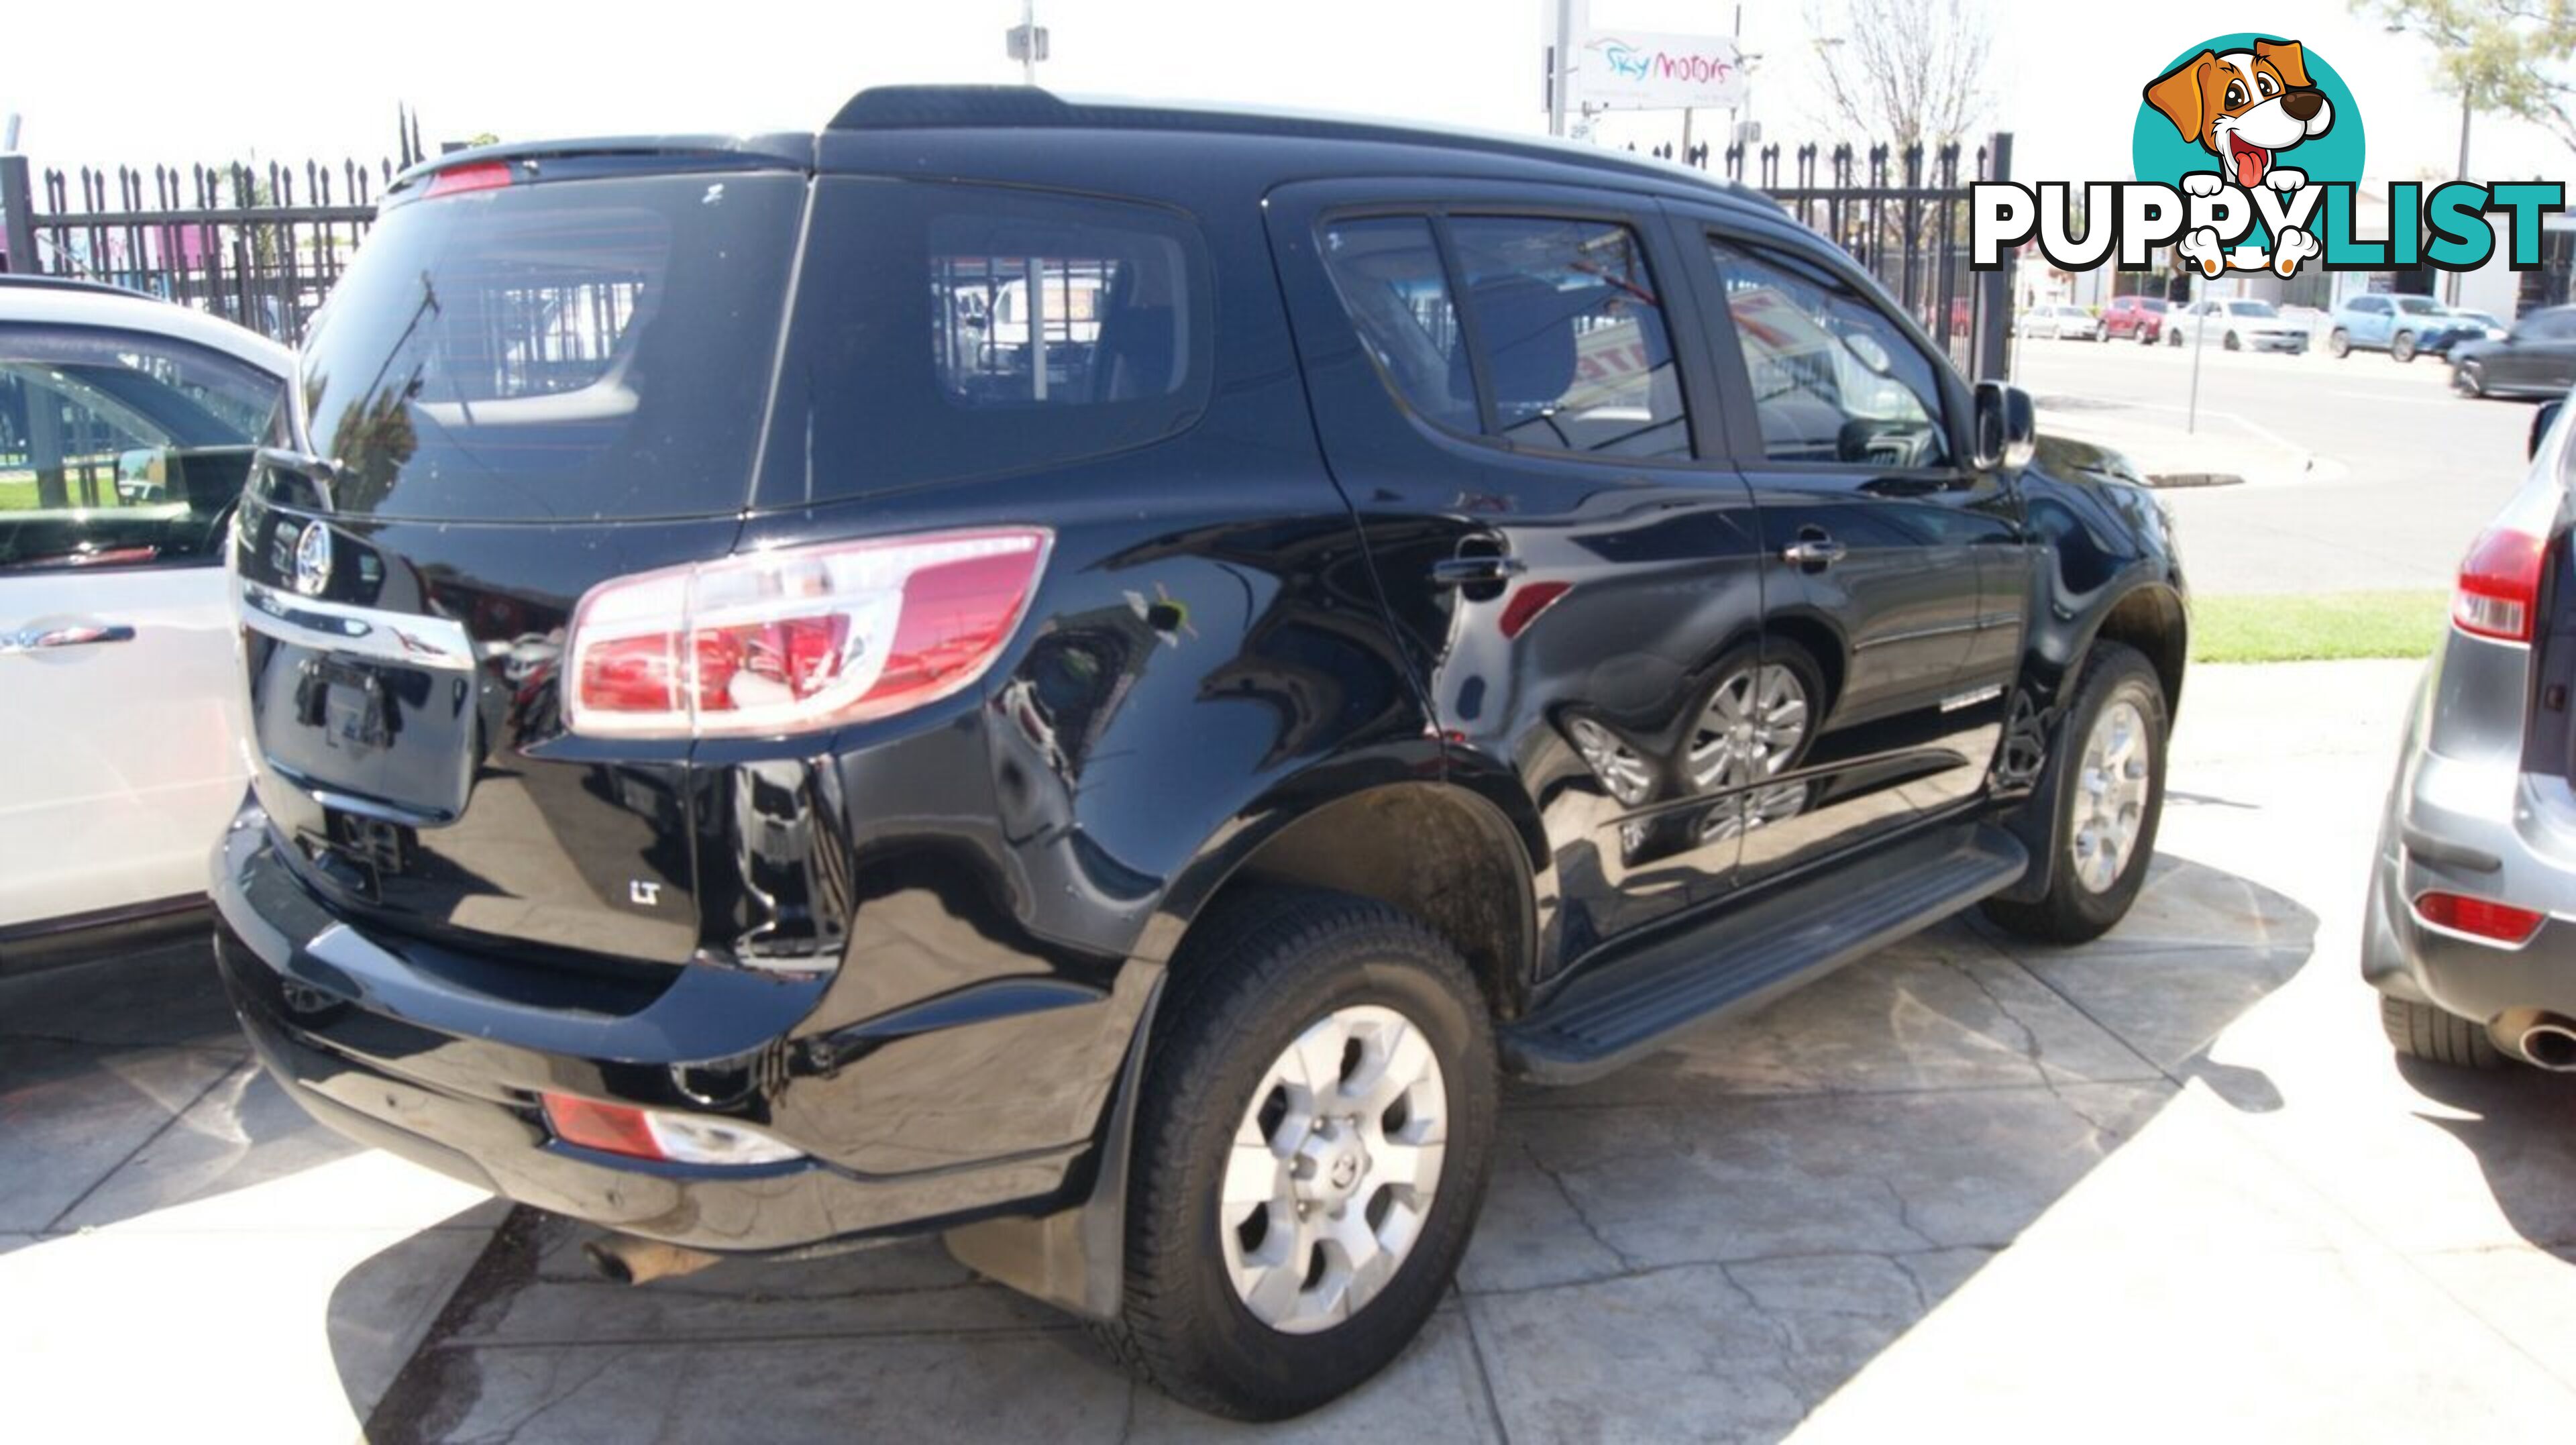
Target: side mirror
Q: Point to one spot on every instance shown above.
(2006, 431)
(2541, 421)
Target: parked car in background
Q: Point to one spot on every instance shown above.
(2061, 322)
(2139, 317)
(743, 777)
(2470, 935)
(2383, 321)
(2537, 357)
(126, 429)
(2487, 326)
(2453, 327)
(2238, 323)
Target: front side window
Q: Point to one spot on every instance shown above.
(118, 449)
(1834, 377)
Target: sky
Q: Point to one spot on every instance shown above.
(291, 82)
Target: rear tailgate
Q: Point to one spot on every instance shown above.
(521, 390)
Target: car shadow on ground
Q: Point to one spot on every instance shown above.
(1707, 1244)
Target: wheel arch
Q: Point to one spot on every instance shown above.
(1446, 851)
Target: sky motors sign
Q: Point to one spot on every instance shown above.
(1643, 70)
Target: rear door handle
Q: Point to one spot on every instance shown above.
(1814, 552)
(1470, 571)
(45, 639)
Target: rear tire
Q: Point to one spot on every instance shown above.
(2232, 343)
(2403, 347)
(1252, 983)
(2077, 908)
(2469, 379)
(2421, 1031)
(2340, 343)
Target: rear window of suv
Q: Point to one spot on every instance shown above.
(946, 330)
(561, 350)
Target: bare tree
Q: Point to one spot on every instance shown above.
(1904, 71)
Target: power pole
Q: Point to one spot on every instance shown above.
(1026, 42)
(1571, 16)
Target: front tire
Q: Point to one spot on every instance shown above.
(2403, 348)
(2340, 343)
(2469, 379)
(2233, 344)
(2107, 781)
(2421, 1031)
(1289, 1230)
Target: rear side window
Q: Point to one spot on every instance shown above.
(565, 349)
(1550, 336)
(1388, 271)
(945, 331)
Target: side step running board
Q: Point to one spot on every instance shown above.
(1620, 1010)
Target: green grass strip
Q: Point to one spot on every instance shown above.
(2317, 626)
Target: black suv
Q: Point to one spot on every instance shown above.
(1091, 678)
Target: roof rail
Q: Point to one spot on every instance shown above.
(967, 107)
(71, 283)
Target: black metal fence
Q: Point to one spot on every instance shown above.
(261, 247)
(1903, 214)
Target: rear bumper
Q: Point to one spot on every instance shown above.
(2483, 829)
(396, 1045)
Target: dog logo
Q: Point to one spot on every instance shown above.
(2244, 107)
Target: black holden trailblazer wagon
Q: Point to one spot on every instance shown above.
(1089, 678)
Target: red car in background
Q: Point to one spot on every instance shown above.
(2141, 318)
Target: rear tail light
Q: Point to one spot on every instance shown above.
(2479, 917)
(798, 638)
(654, 1134)
(2499, 593)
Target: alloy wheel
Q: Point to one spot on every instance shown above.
(2110, 797)
(1334, 1169)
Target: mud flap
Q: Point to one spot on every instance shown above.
(1076, 1258)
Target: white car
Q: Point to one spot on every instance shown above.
(2062, 322)
(127, 426)
(2237, 323)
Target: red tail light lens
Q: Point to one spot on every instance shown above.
(657, 1134)
(798, 638)
(612, 1128)
(2499, 594)
(2479, 917)
(475, 176)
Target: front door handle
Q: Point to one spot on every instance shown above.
(1472, 571)
(44, 639)
(1816, 552)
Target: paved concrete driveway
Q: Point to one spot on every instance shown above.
(2167, 1186)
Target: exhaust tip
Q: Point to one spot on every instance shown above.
(2551, 1044)
(625, 1259)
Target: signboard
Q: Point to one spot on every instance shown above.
(1645, 70)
